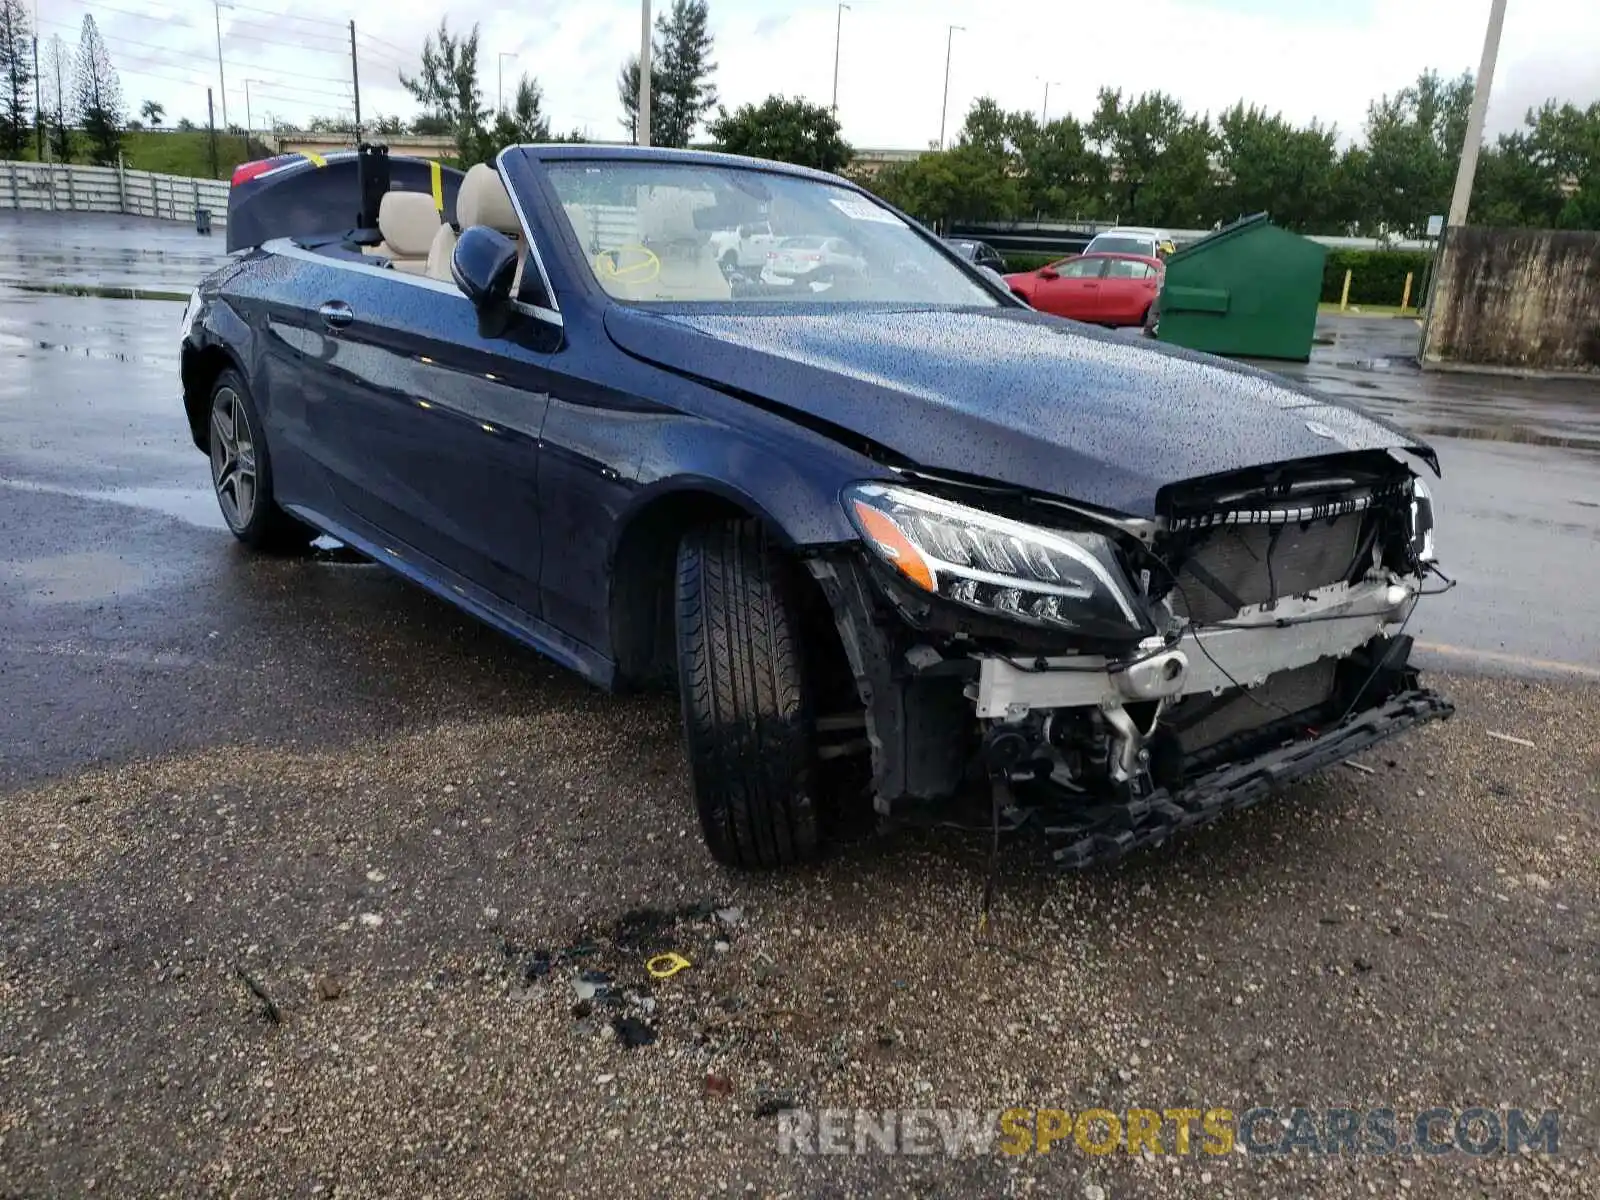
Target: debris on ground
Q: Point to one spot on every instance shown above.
(1515, 741)
(269, 1010)
(632, 1032)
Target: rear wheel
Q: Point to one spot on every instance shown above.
(241, 472)
(747, 708)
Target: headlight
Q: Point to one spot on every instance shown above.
(1422, 548)
(1044, 576)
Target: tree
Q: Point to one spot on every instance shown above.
(628, 94)
(1158, 158)
(967, 182)
(525, 122)
(447, 88)
(383, 126)
(1059, 175)
(97, 93)
(16, 78)
(681, 91)
(1413, 144)
(152, 111)
(1268, 165)
(791, 131)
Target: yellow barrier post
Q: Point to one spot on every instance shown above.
(1405, 300)
(1344, 298)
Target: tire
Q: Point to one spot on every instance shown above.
(747, 712)
(241, 472)
(730, 262)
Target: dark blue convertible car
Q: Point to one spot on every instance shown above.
(898, 541)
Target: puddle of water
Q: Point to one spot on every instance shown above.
(1511, 433)
(77, 578)
(193, 506)
(103, 292)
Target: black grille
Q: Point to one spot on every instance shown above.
(1231, 568)
(1202, 721)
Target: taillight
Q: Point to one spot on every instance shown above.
(245, 172)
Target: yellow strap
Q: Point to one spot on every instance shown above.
(438, 185)
(316, 159)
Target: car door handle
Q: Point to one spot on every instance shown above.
(336, 314)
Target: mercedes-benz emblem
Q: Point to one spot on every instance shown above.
(1318, 428)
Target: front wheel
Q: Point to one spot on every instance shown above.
(241, 472)
(747, 712)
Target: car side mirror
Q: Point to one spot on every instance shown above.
(1047, 273)
(483, 265)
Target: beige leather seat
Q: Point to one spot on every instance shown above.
(408, 222)
(444, 245)
(482, 200)
(688, 269)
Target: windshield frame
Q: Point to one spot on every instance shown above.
(573, 274)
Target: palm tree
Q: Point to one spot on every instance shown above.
(152, 111)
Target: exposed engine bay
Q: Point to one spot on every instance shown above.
(1119, 679)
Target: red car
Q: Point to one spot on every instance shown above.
(1102, 289)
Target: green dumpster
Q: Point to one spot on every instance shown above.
(1250, 290)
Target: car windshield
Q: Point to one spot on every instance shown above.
(1122, 245)
(669, 231)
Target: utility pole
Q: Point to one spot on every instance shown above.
(642, 133)
(38, 102)
(1044, 113)
(249, 125)
(500, 90)
(838, 28)
(355, 80)
(944, 110)
(211, 124)
(1461, 200)
(216, 8)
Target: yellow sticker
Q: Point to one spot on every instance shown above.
(316, 159)
(438, 185)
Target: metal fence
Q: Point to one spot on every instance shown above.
(67, 187)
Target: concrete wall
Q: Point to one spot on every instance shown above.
(65, 187)
(1516, 299)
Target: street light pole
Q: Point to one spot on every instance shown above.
(500, 66)
(1461, 199)
(944, 109)
(642, 133)
(838, 28)
(216, 8)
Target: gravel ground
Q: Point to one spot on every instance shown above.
(417, 907)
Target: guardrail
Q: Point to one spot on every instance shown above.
(68, 187)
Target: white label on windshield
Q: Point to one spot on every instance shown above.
(862, 210)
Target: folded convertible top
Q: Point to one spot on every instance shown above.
(315, 195)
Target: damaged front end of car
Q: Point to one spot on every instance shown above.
(1116, 680)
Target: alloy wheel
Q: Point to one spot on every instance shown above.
(233, 458)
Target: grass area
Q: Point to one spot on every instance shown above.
(1370, 310)
(176, 152)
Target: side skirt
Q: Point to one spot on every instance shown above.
(434, 577)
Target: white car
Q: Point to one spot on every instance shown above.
(807, 259)
(746, 246)
(1126, 239)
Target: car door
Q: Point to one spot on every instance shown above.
(1126, 291)
(428, 429)
(1074, 292)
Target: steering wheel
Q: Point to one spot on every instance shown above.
(633, 263)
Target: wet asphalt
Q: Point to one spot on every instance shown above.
(378, 810)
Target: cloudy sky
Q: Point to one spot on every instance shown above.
(1306, 58)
